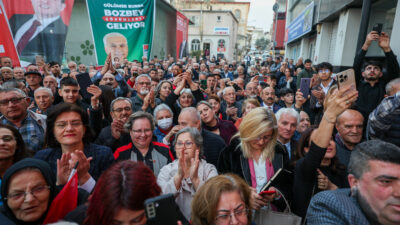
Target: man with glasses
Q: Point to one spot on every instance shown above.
(370, 79)
(155, 155)
(114, 135)
(319, 91)
(14, 109)
(145, 97)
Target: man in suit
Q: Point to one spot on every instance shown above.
(374, 197)
(287, 119)
(42, 33)
(268, 99)
(227, 73)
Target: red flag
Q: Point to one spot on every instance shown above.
(64, 202)
(66, 13)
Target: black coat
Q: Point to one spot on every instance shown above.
(232, 160)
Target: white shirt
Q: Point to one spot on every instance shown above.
(260, 172)
(25, 27)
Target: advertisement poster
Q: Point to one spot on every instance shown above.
(123, 28)
(182, 25)
(39, 28)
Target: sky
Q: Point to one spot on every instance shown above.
(261, 14)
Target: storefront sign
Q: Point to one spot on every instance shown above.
(221, 30)
(302, 24)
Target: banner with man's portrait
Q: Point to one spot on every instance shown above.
(39, 28)
(123, 28)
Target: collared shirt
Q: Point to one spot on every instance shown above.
(25, 27)
(31, 129)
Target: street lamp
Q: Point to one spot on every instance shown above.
(275, 8)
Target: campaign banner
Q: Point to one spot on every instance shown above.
(123, 28)
(7, 47)
(301, 25)
(39, 28)
(182, 25)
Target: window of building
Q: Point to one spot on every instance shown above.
(238, 14)
(218, 18)
(195, 45)
(195, 20)
(221, 43)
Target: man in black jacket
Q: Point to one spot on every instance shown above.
(370, 79)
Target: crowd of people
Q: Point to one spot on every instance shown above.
(209, 131)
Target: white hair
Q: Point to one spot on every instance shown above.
(287, 111)
(193, 111)
(226, 89)
(113, 34)
(48, 90)
(142, 75)
(161, 107)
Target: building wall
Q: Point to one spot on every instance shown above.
(208, 35)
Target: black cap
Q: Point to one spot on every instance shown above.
(33, 72)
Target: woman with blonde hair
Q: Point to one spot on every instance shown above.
(254, 154)
(224, 199)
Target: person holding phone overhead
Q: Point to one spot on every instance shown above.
(255, 155)
(318, 168)
(319, 91)
(369, 76)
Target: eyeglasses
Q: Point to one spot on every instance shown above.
(13, 101)
(146, 131)
(187, 144)
(7, 138)
(144, 83)
(264, 138)
(64, 124)
(324, 71)
(223, 219)
(122, 109)
(36, 191)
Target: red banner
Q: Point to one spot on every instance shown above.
(7, 47)
(38, 28)
(182, 26)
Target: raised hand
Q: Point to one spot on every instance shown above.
(324, 183)
(96, 93)
(117, 127)
(83, 166)
(63, 169)
(105, 68)
(384, 42)
(300, 100)
(339, 101)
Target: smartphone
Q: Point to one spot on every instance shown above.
(203, 84)
(84, 82)
(267, 192)
(161, 210)
(305, 87)
(237, 88)
(378, 28)
(345, 79)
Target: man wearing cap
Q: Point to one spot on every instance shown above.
(33, 80)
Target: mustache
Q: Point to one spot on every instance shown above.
(270, 98)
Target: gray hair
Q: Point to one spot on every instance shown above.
(389, 86)
(287, 111)
(226, 89)
(195, 135)
(161, 107)
(113, 34)
(139, 115)
(193, 111)
(48, 90)
(12, 83)
(372, 150)
(119, 99)
(186, 91)
(140, 76)
(6, 90)
(7, 68)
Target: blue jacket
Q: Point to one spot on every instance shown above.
(336, 207)
(102, 158)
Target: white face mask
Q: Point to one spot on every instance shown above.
(165, 123)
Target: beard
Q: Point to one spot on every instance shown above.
(365, 207)
(371, 78)
(144, 91)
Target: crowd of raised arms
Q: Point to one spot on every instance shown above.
(209, 131)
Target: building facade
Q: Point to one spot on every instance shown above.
(278, 28)
(240, 10)
(334, 31)
(217, 32)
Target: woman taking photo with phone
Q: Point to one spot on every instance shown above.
(318, 169)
